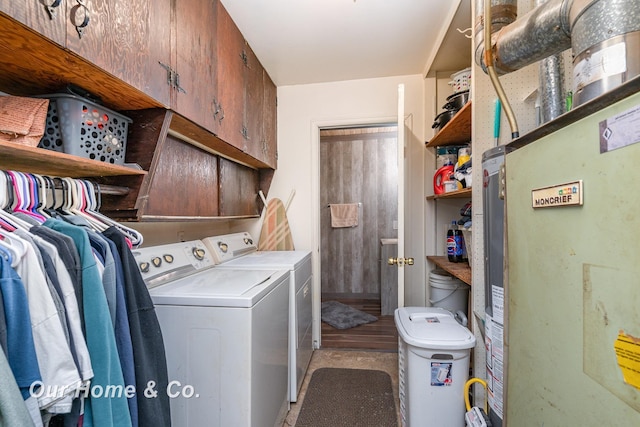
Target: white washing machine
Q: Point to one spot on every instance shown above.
(226, 337)
(239, 250)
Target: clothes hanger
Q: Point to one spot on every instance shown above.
(23, 195)
(10, 222)
(76, 203)
(6, 254)
(51, 204)
(16, 246)
(42, 191)
(93, 205)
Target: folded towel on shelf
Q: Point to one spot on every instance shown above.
(344, 215)
(22, 120)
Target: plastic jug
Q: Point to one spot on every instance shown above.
(443, 174)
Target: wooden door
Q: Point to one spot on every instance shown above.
(231, 65)
(49, 21)
(254, 106)
(184, 182)
(128, 39)
(270, 122)
(196, 63)
(239, 186)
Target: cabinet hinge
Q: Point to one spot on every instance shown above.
(245, 132)
(85, 19)
(245, 58)
(51, 9)
(173, 78)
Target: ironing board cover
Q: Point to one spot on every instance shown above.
(275, 234)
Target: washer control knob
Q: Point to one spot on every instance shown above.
(168, 258)
(248, 241)
(144, 267)
(156, 261)
(199, 253)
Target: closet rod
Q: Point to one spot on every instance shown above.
(112, 190)
(329, 205)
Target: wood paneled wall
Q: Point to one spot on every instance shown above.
(357, 166)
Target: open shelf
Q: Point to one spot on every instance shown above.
(461, 270)
(456, 132)
(47, 162)
(465, 193)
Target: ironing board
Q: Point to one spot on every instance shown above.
(275, 234)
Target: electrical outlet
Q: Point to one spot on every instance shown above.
(395, 225)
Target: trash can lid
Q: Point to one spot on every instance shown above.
(433, 328)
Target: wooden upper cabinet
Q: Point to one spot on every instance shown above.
(128, 39)
(270, 122)
(196, 63)
(254, 105)
(231, 65)
(183, 182)
(49, 21)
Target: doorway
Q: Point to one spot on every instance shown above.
(358, 165)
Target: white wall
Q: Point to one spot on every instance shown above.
(302, 110)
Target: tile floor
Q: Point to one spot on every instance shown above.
(331, 358)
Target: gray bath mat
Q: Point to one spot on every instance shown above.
(341, 316)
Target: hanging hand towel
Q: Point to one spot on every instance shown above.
(344, 215)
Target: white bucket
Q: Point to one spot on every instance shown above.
(448, 292)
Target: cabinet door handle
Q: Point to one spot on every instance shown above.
(177, 83)
(169, 73)
(74, 17)
(51, 9)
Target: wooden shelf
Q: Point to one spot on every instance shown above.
(465, 193)
(456, 132)
(47, 162)
(461, 270)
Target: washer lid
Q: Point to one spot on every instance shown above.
(433, 328)
(269, 259)
(219, 288)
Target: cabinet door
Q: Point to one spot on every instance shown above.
(239, 186)
(128, 39)
(231, 65)
(184, 182)
(50, 21)
(270, 122)
(254, 105)
(196, 61)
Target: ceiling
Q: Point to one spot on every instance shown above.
(314, 41)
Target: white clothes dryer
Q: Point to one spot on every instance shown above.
(226, 337)
(239, 251)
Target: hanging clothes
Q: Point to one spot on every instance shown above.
(109, 410)
(12, 410)
(76, 279)
(146, 337)
(21, 351)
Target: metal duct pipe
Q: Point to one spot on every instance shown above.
(551, 90)
(542, 32)
(551, 85)
(503, 13)
(604, 36)
(605, 41)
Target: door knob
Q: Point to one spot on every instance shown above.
(400, 261)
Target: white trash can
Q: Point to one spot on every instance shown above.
(433, 363)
